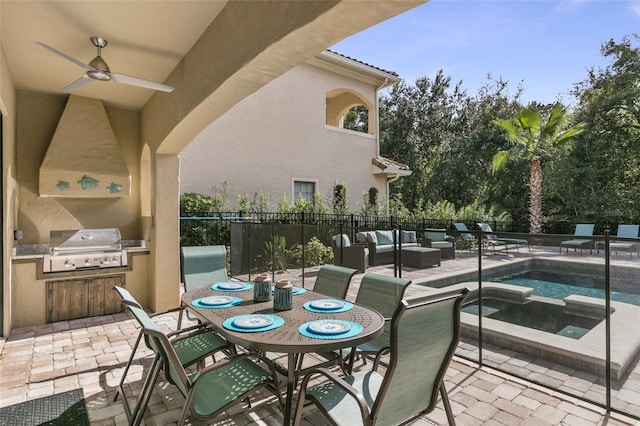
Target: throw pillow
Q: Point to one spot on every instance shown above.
(371, 237)
(384, 237)
(361, 237)
(341, 240)
(409, 237)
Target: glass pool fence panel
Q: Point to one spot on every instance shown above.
(624, 272)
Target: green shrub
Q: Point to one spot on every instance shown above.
(315, 253)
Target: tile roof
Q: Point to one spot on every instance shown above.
(364, 63)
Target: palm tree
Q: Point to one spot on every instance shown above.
(531, 139)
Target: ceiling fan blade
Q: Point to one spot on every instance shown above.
(82, 81)
(135, 81)
(67, 57)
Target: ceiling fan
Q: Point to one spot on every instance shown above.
(98, 69)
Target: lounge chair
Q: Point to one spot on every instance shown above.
(489, 240)
(485, 227)
(582, 230)
(424, 336)
(624, 231)
(469, 240)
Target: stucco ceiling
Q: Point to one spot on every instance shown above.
(146, 40)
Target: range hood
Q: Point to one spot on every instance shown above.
(84, 158)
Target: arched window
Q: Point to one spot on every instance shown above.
(347, 109)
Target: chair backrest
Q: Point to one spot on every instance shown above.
(203, 265)
(381, 292)
(173, 369)
(334, 280)
(464, 231)
(485, 227)
(628, 231)
(424, 337)
(584, 229)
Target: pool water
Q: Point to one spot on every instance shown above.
(547, 317)
(560, 285)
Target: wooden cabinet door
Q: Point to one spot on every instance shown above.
(67, 299)
(83, 297)
(102, 299)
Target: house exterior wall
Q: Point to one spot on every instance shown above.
(278, 135)
(10, 186)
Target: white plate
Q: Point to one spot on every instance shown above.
(216, 300)
(231, 285)
(327, 304)
(329, 327)
(253, 321)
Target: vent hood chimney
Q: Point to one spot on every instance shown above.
(84, 158)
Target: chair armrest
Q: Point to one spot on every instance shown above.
(331, 376)
(425, 242)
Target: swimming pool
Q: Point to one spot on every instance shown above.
(547, 317)
(558, 285)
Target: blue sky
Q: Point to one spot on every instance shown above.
(545, 44)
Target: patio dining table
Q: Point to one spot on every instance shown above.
(287, 338)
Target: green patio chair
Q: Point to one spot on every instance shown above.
(424, 336)
(582, 230)
(384, 294)
(192, 344)
(210, 391)
(201, 266)
(334, 280)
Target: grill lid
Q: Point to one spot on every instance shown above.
(84, 240)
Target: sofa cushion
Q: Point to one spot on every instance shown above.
(341, 240)
(409, 237)
(372, 238)
(361, 237)
(441, 244)
(384, 237)
(384, 248)
(436, 235)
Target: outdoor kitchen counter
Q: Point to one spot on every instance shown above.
(31, 287)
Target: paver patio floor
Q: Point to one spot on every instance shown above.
(90, 353)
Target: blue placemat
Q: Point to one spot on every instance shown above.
(247, 286)
(228, 324)
(236, 301)
(347, 306)
(356, 329)
(296, 290)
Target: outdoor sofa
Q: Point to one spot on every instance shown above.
(381, 243)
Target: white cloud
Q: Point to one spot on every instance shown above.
(634, 7)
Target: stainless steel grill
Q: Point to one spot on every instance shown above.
(72, 250)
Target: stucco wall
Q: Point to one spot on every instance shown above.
(278, 134)
(10, 187)
(38, 116)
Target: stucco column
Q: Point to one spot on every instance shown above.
(165, 234)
